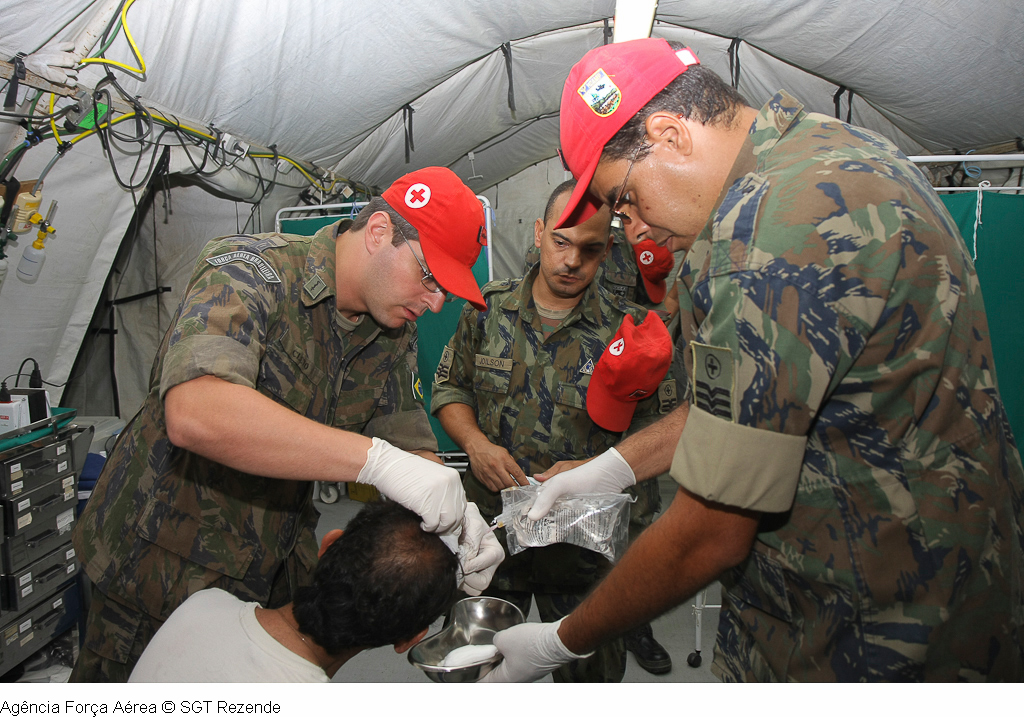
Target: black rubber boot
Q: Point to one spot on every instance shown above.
(648, 653)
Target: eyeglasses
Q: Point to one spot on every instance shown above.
(428, 280)
(623, 216)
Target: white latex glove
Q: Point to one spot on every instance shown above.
(55, 63)
(608, 473)
(531, 650)
(479, 552)
(430, 489)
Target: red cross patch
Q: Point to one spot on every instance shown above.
(646, 258)
(417, 196)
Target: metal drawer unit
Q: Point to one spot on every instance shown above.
(39, 505)
(32, 469)
(33, 629)
(25, 588)
(39, 539)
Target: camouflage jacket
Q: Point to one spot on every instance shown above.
(840, 374)
(530, 394)
(259, 311)
(619, 273)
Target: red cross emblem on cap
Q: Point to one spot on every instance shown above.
(646, 257)
(417, 196)
(616, 348)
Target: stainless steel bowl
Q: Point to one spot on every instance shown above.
(474, 622)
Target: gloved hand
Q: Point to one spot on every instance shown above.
(608, 473)
(531, 650)
(55, 63)
(430, 489)
(480, 553)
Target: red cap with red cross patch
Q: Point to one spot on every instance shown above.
(655, 264)
(629, 370)
(603, 92)
(450, 222)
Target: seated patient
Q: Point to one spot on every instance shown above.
(381, 582)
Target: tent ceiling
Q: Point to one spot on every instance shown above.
(326, 81)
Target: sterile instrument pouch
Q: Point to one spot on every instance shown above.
(595, 521)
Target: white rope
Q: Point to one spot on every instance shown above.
(982, 186)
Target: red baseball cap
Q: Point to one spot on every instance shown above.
(655, 263)
(603, 92)
(629, 370)
(450, 222)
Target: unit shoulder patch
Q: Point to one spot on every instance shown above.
(262, 266)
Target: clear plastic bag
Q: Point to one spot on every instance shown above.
(595, 521)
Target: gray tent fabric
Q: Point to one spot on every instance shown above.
(326, 82)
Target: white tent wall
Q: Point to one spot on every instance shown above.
(518, 202)
(47, 320)
(172, 232)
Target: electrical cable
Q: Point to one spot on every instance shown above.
(35, 367)
(141, 69)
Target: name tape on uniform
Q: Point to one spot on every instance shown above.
(493, 362)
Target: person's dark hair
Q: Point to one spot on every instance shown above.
(697, 94)
(565, 187)
(377, 204)
(383, 581)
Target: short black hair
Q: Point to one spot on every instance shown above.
(564, 188)
(697, 94)
(379, 204)
(383, 581)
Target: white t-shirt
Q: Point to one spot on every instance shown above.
(215, 637)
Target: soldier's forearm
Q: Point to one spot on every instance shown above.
(243, 429)
(459, 421)
(649, 451)
(680, 553)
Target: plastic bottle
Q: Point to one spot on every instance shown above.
(26, 205)
(3, 271)
(32, 262)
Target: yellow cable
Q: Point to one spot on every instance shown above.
(299, 167)
(122, 118)
(53, 125)
(179, 125)
(141, 69)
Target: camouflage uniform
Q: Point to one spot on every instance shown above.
(530, 396)
(841, 377)
(162, 522)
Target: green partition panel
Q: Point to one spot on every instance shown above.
(999, 245)
(434, 329)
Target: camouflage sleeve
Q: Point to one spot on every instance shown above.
(222, 324)
(453, 381)
(403, 420)
(760, 363)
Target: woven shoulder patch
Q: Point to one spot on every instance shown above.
(713, 380)
(262, 266)
(667, 396)
(444, 367)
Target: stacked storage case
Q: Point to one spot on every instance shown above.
(39, 597)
